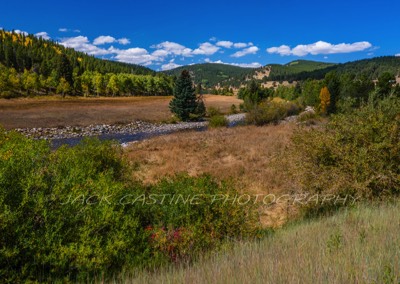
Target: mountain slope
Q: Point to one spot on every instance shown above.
(296, 67)
(32, 66)
(212, 74)
(22, 52)
(372, 68)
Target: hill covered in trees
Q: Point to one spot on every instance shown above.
(372, 68)
(33, 66)
(223, 75)
(296, 67)
(213, 74)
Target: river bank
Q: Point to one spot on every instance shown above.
(123, 133)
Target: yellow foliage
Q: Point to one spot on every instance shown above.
(57, 49)
(28, 41)
(15, 38)
(278, 100)
(325, 98)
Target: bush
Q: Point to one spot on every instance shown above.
(233, 109)
(212, 111)
(206, 216)
(271, 112)
(355, 154)
(74, 213)
(218, 121)
(8, 95)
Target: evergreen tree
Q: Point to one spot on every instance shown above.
(385, 83)
(64, 69)
(333, 83)
(185, 104)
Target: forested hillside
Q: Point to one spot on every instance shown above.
(372, 68)
(213, 74)
(34, 66)
(295, 67)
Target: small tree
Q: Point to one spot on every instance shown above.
(325, 98)
(63, 87)
(185, 104)
(385, 83)
(332, 82)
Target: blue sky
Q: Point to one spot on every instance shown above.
(167, 34)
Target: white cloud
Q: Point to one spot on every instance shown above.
(43, 35)
(240, 45)
(320, 47)
(170, 65)
(397, 55)
(206, 48)
(225, 43)
(63, 30)
(229, 44)
(244, 65)
(81, 43)
(213, 39)
(160, 53)
(247, 65)
(109, 39)
(172, 48)
(103, 40)
(77, 31)
(21, 32)
(135, 55)
(246, 51)
(282, 50)
(124, 41)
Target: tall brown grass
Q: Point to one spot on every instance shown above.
(358, 245)
(245, 155)
(52, 111)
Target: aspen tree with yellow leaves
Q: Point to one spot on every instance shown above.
(325, 98)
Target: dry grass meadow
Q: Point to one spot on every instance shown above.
(57, 112)
(345, 248)
(245, 155)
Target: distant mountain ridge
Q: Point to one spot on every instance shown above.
(224, 75)
(213, 74)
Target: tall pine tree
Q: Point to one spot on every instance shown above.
(185, 104)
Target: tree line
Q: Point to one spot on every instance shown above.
(344, 89)
(371, 68)
(34, 66)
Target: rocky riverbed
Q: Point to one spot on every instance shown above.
(105, 130)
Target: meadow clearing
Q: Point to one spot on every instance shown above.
(73, 111)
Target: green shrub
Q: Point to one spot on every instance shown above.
(212, 111)
(270, 112)
(218, 121)
(308, 118)
(356, 154)
(8, 95)
(233, 109)
(205, 216)
(74, 214)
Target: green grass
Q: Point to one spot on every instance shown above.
(359, 245)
